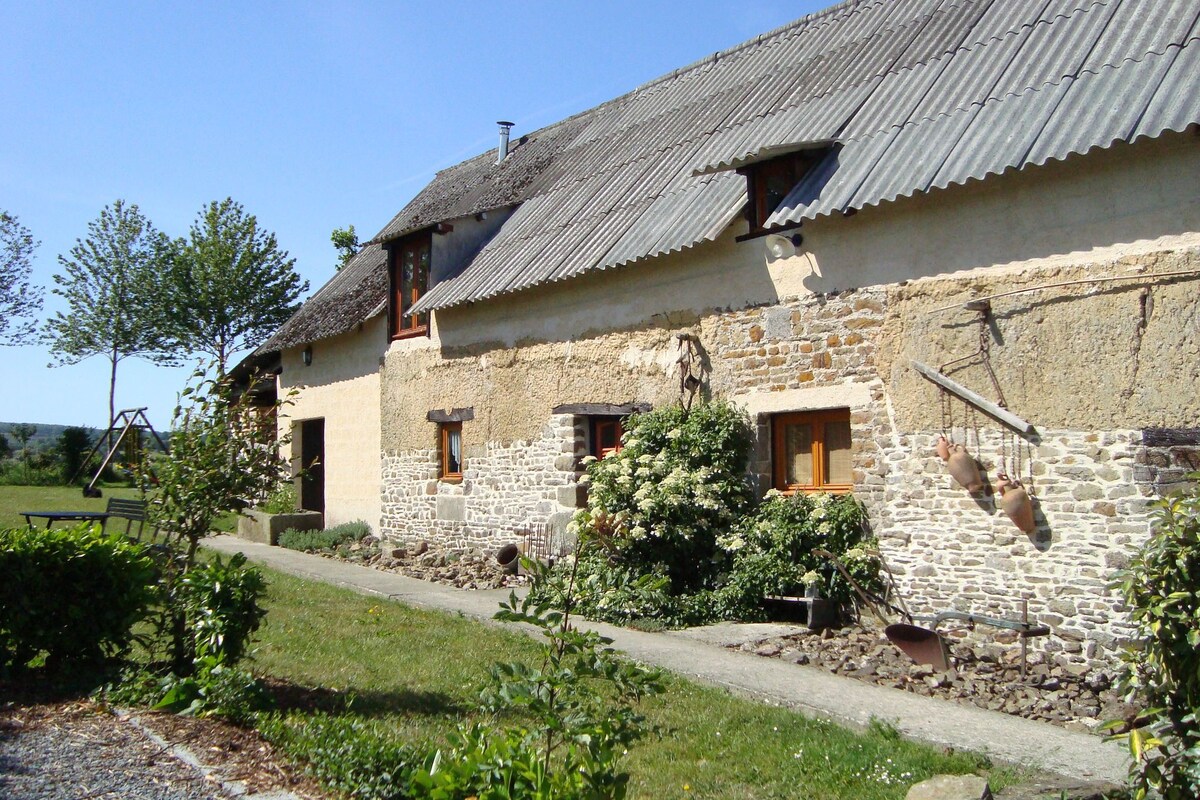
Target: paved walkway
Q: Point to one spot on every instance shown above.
(702, 657)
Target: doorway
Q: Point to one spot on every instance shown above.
(312, 461)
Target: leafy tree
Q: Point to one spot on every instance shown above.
(346, 242)
(19, 300)
(73, 444)
(5, 447)
(231, 285)
(113, 288)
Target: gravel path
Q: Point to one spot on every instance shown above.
(85, 755)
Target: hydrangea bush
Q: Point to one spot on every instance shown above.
(678, 482)
(671, 532)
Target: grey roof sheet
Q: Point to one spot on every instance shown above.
(916, 95)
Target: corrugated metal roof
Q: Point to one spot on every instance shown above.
(917, 95)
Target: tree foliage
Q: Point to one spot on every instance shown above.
(112, 283)
(346, 242)
(222, 457)
(19, 300)
(1162, 588)
(231, 285)
(73, 445)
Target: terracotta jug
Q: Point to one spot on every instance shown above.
(1016, 503)
(964, 469)
(943, 448)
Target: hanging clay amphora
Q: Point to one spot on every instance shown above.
(943, 448)
(1016, 503)
(964, 469)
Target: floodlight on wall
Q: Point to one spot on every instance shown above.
(306, 356)
(783, 246)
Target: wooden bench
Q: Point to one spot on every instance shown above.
(129, 510)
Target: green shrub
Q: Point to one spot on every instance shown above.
(772, 551)
(71, 595)
(220, 608)
(328, 539)
(350, 755)
(1162, 588)
(657, 505)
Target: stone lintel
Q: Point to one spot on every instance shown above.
(453, 415)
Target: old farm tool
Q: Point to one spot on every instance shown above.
(926, 645)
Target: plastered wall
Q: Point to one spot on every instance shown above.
(341, 387)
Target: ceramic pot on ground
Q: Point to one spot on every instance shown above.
(1017, 504)
(943, 448)
(964, 469)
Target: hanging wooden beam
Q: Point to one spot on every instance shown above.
(996, 412)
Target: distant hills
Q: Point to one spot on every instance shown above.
(46, 436)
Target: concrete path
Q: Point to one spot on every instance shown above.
(700, 655)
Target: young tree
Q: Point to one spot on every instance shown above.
(346, 242)
(19, 300)
(113, 287)
(222, 458)
(23, 432)
(231, 285)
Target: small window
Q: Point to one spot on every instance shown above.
(769, 182)
(812, 451)
(606, 436)
(451, 451)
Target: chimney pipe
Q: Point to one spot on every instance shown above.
(502, 151)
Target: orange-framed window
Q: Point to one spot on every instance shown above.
(606, 436)
(409, 282)
(450, 451)
(812, 451)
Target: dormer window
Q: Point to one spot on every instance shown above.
(768, 182)
(409, 271)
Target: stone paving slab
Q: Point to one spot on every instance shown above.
(702, 656)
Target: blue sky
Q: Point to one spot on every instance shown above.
(312, 116)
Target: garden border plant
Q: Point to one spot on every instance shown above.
(671, 534)
(1161, 586)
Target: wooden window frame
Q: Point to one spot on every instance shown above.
(817, 419)
(401, 326)
(596, 423)
(444, 471)
(792, 167)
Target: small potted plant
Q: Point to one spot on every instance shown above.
(812, 581)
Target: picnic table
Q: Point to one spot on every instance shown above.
(52, 517)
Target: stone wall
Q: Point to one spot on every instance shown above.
(507, 491)
(954, 551)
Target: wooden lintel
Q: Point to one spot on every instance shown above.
(996, 412)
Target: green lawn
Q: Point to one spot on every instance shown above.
(419, 672)
(15, 499)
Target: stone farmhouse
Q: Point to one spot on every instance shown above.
(1002, 193)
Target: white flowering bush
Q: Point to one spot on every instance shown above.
(648, 537)
(772, 552)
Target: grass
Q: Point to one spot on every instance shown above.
(418, 673)
(15, 499)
